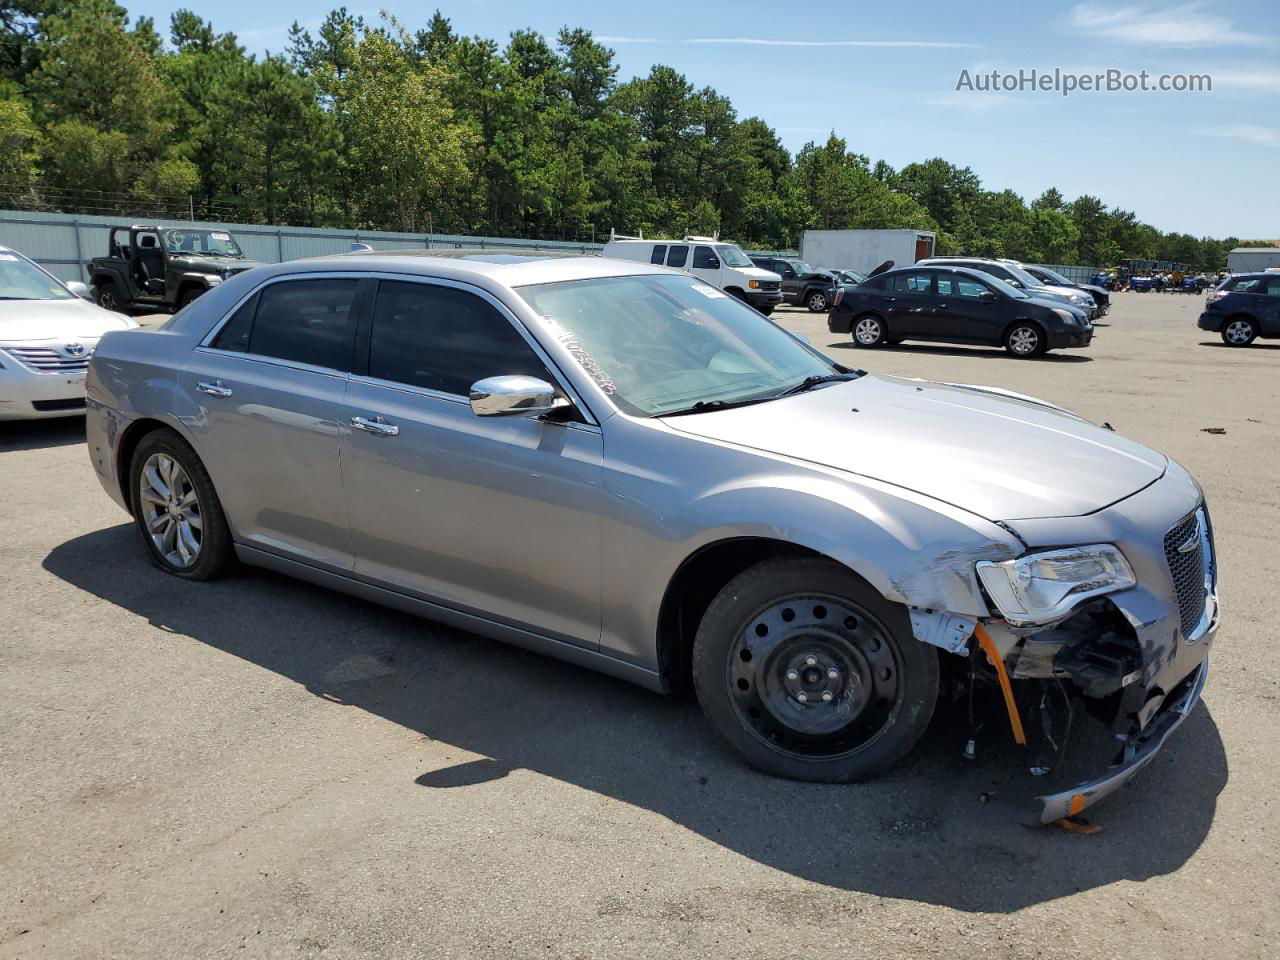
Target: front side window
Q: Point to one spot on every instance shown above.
(305, 321)
(442, 338)
(1273, 287)
(663, 344)
(677, 256)
(1246, 285)
(20, 279)
(704, 259)
(965, 287)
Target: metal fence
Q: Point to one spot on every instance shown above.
(63, 242)
(1074, 273)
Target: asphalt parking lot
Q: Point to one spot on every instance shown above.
(257, 767)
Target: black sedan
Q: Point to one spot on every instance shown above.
(1244, 308)
(954, 305)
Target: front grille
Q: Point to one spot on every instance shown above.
(49, 360)
(1189, 569)
(74, 403)
(771, 285)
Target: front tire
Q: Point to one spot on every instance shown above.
(1239, 332)
(816, 301)
(810, 674)
(176, 509)
(188, 295)
(107, 295)
(869, 331)
(1026, 340)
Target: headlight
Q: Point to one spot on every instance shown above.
(1042, 587)
(1066, 316)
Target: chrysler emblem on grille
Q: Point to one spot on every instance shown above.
(74, 350)
(1189, 544)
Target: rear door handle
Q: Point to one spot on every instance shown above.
(377, 426)
(215, 389)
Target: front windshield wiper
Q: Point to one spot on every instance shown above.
(706, 406)
(808, 383)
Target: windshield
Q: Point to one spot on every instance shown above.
(20, 279)
(731, 256)
(207, 243)
(1054, 277)
(799, 266)
(1021, 275)
(1007, 288)
(663, 344)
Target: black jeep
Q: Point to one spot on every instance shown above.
(163, 267)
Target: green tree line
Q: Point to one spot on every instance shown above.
(373, 126)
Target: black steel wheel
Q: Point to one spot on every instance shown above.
(811, 674)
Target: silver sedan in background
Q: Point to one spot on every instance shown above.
(622, 466)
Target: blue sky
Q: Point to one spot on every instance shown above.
(884, 77)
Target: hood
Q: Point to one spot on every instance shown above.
(1091, 288)
(757, 273)
(1000, 457)
(193, 261)
(57, 319)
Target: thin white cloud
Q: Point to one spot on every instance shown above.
(1186, 25)
(1260, 136)
(1261, 79)
(772, 42)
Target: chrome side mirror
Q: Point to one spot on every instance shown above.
(79, 289)
(512, 396)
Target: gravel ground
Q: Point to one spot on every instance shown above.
(257, 767)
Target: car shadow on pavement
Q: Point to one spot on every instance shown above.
(1253, 346)
(935, 829)
(41, 434)
(936, 350)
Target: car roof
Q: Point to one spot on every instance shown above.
(926, 265)
(499, 266)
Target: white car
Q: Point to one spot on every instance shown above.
(47, 334)
(720, 264)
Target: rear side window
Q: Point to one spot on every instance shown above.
(677, 256)
(306, 321)
(444, 339)
(659, 253)
(234, 334)
(910, 282)
(704, 259)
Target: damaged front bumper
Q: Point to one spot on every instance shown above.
(1137, 753)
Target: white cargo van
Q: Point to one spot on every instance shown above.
(709, 259)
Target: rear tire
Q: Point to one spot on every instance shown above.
(1239, 332)
(868, 331)
(1025, 340)
(176, 509)
(811, 674)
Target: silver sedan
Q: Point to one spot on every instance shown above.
(624, 467)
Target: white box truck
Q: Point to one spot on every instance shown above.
(1250, 259)
(864, 250)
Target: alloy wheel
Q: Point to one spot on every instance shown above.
(867, 331)
(817, 302)
(1238, 332)
(171, 510)
(1024, 341)
(815, 677)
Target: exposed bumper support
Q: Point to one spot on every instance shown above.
(1138, 752)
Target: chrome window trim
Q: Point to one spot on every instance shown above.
(557, 375)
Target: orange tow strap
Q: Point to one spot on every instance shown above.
(989, 648)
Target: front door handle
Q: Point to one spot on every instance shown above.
(377, 426)
(215, 389)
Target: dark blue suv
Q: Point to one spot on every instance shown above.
(1243, 308)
